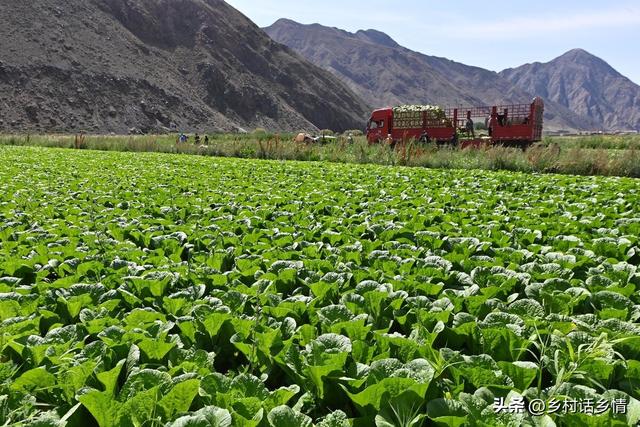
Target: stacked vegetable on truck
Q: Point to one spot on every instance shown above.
(516, 124)
(420, 122)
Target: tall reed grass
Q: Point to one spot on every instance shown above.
(550, 156)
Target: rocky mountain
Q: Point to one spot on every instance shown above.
(585, 84)
(113, 65)
(385, 73)
(382, 71)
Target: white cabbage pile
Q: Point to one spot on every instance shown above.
(411, 116)
(433, 109)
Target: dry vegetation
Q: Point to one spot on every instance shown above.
(596, 155)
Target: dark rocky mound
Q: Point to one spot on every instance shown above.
(117, 65)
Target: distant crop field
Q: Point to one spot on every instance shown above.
(608, 142)
(146, 289)
(592, 155)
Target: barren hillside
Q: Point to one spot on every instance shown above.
(113, 65)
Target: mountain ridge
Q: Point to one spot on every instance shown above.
(585, 84)
(414, 77)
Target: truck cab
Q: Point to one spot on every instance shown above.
(379, 125)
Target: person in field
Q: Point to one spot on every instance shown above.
(502, 118)
(487, 123)
(470, 128)
(206, 140)
(424, 137)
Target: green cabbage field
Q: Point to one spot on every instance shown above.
(143, 289)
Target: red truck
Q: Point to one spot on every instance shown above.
(517, 124)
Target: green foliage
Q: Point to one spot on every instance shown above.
(155, 290)
(609, 155)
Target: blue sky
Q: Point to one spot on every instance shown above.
(490, 34)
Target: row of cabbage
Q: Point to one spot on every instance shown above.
(286, 294)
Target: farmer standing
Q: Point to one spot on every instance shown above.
(469, 127)
(424, 137)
